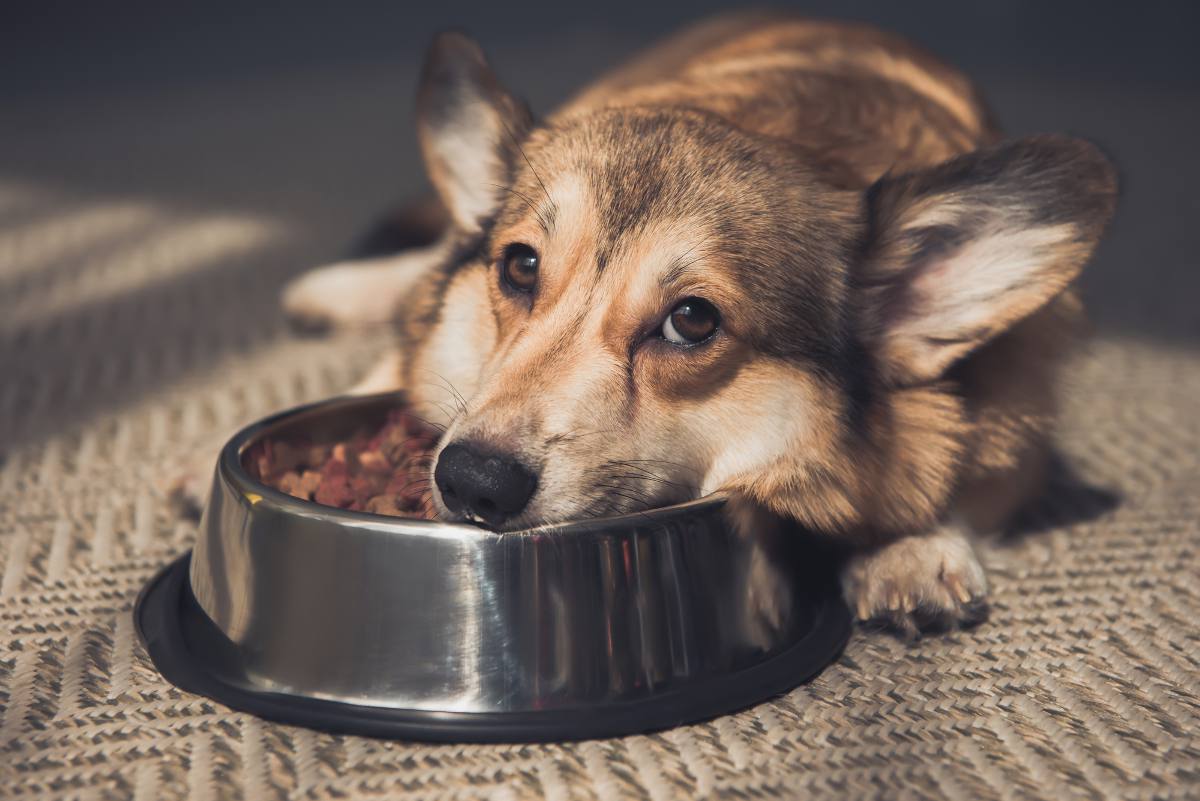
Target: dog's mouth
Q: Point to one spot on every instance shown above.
(506, 486)
(606, 498)
(610, 501)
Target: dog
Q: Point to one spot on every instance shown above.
(790, 260)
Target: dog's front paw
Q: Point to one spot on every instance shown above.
(340, 295)
(768, 609)
(919, 583)
(356, 294)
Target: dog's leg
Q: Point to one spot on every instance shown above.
(383, 377)
(358, 293)
(925, 581)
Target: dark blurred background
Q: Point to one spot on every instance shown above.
(301, 111)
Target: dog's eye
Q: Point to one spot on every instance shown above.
(519, 267)
(691, 322)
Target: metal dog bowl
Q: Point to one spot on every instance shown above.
(359, 623)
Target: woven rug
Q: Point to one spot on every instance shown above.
(132, 333)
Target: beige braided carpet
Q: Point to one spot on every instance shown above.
(135, 326)
(1086, 681)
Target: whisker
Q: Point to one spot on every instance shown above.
(445, 409)
(529, 163)
(659, 480)
(575, 434)
(684, 467)
(632, 494)
(414, 438)
(525, 198)
(625, 488)
(430, 423)
(636, 501)
(646, 474)
(449, 387)
(642, 470)
(678, 266)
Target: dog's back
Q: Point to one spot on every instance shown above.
(859, 101)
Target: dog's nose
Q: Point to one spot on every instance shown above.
(490, 486)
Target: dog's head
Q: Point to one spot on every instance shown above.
(678, 306)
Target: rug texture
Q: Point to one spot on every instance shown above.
(129, 336)
(143, 241)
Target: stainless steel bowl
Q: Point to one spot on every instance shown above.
(387, 626)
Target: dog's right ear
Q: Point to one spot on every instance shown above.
(469, 128)
(962, 251)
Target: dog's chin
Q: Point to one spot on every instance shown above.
(589, 509)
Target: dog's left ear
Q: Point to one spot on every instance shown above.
(469, 127)
(960, 252)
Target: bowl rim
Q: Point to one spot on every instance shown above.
(231, 471)
(170, 624)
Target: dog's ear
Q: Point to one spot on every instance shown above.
(468, 127)
(960, 252)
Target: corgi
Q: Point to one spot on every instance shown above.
(790, 260)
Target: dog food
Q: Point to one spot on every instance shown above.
(385, 471)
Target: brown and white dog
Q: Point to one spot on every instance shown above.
(787, 259)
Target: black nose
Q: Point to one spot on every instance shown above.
(493, 487)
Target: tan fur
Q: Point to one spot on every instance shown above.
(892, 317)
(864, 84)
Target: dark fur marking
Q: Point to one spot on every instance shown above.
(759, 210)
(468, 249)
(856, 382)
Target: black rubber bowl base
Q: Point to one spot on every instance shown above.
(191, 653)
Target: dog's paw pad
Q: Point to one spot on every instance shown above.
(919, 584)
